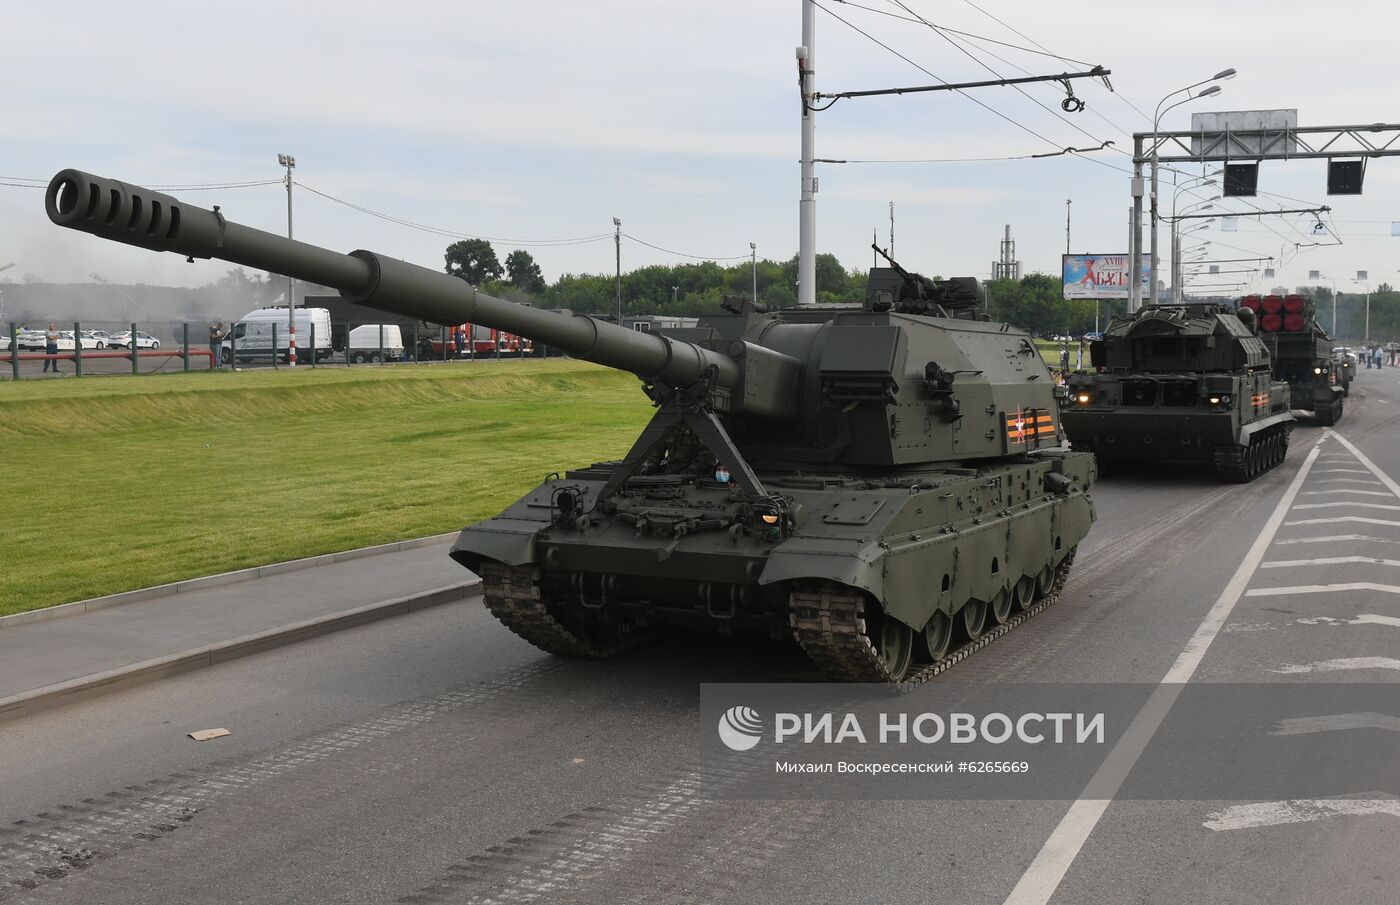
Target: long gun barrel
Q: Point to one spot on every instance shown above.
(148, 219)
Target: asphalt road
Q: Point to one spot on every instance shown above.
(436, 758)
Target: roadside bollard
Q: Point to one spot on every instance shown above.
(77, 349)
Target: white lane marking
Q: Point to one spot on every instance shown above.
(1303, 810)
(1341, 664)
(1344, 587)
(1328, 561)
(1345, 490)
(1338, 520)
(1336, 722)
(1370, 466)
(1348, 481)
(1351, 504)
(1048, 869)
(1342, 471)
(1332, 538)
(1363, 619)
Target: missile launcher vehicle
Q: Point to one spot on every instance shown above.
(1186, 382)
(885, 484)
(1302, 354)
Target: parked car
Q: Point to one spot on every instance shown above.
(31, 340)
(97, 339)
(255, 333)
(143, 340)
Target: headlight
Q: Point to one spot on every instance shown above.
(1215, 400)
(1082, 398)
(1317, 370)
(769, 518)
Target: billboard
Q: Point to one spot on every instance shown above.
(1099, 276)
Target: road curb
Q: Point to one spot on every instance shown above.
(78, 607)
(90, 686)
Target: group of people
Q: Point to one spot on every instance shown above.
(1379, 356)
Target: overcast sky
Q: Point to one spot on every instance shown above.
(543, 120)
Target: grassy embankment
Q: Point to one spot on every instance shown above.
(121, 482)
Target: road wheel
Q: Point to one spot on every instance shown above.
(937, 637)
(1003, 605)
(1024, 591)
(974, 618)
(376, 358)
(357, 358)
(1044, 583)
(227, 357)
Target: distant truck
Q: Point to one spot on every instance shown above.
(367, 343)
(254, 335)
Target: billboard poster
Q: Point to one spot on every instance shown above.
(1099, 276)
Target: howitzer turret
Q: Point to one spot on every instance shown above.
(873, 481)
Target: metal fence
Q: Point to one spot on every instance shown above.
(166, 346)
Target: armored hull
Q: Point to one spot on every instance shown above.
(963, 550)
(1182, 383)
(1301, 352)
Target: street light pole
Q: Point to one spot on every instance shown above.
(753, 258)
(1068, 202)
(1157, 121)
(617, 241)
(289, 162)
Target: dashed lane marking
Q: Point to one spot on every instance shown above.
(1335, 538)
(1351, 504)
(1341, 664)
(1349, 481)
(1328, 561)
(1345, 490)
(1336, 722)
(1304, 810)
(1359, 519)
(1345, 587)
(1342, 471)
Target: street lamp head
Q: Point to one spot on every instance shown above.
(286, 160)
(616, 221)
(1213, 89)
(1224, 74)
(753, 246)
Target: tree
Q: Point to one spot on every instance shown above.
(473, 260)
(523, 272)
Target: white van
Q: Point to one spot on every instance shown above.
(252, 335)
(363, 343)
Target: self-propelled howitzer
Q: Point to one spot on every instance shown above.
(880, 483)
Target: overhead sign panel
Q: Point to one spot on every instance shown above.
(1266, 133)
(1100, 276)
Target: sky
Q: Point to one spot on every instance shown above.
(536, 122)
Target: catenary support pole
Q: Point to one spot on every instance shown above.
(807, 206)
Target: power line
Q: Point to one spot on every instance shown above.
(966, 34)
(1061, 153)
(684, 254)
(452, 234)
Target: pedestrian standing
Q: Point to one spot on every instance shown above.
(1379, 358)
(51, 348)
(216, 345)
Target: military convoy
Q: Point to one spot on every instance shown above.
(1302, 354)
(1182, 382)
(886, 483)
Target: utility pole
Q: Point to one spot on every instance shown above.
(807, 206)
(617, 241)
(1068, 202)
(753, 258)
(289, 162)
(1135, 231)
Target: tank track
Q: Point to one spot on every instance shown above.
(1240, 465)
(828, 623)
(512, 594)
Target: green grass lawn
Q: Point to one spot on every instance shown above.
(114, 483)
